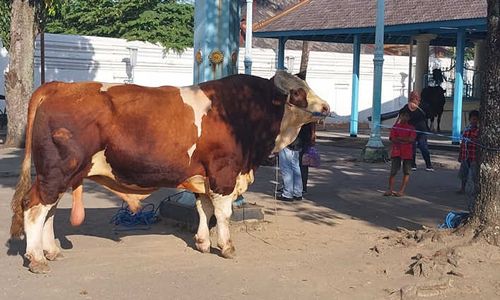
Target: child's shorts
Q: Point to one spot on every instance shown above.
(396, 165)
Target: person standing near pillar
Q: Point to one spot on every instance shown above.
(307, 135)
(290, 171)
(418, 119)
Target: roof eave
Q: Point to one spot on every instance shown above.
(449, 26)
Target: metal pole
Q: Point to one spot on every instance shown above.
(378, 62)
(355, 85)
(248, 38)
(459, 87)
(410, 68)
(281, 53)
(42, 57)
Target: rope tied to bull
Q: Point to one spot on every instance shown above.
(462, 138)
(141, 220)
(313, 113)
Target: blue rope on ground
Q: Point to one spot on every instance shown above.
(145, 217)
(466, 140)
(454, 219)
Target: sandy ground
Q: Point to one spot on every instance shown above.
(339, 243)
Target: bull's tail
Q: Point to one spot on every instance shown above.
(24, 183)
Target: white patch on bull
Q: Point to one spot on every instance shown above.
(294, 117)
(100, 166)
(200, 103)
(34, 220)
(106, 85)
(191, 150)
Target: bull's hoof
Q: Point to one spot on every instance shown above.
(228, 252)
(56, 255)
(203, 245)
(39, 267)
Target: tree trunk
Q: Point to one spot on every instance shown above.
(304, 58)
(486, 216)
(19, 78)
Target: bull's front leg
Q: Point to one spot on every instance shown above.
(223, 210)
(205, 211)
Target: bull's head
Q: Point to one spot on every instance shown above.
(302, 106)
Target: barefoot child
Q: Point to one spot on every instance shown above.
(402, 137)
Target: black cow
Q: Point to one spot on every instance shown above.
(433, 101)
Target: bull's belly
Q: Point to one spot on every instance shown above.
(103, 172)
(134, 176)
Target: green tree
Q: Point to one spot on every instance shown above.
(168, 23)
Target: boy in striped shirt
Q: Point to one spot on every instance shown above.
(468, 150)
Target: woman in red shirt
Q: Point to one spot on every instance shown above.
(402, 137)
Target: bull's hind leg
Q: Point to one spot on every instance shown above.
(223, 210)
(205, 211)
(50, 248)
(432, 124)
(35, 216)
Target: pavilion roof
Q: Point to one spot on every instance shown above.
(338, 20)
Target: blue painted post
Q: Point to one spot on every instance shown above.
(355, 85)
(248, 38)
(216, 39)
(374, 150)
(281, 53)
(459, 87)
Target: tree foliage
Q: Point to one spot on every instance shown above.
(43, 9)
(5, 22)
(168, 23)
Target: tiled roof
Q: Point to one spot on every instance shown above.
(330, 14)
(265, 10)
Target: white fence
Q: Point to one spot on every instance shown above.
(84, 58)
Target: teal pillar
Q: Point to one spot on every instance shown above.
(281, 53)
(355, 85)
(459, 88)
(216, 39)
(374, 150)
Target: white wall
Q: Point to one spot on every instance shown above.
(84, 58)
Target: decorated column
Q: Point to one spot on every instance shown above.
(216, 39)
(374, 149)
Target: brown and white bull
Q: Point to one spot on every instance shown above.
(207, 138)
